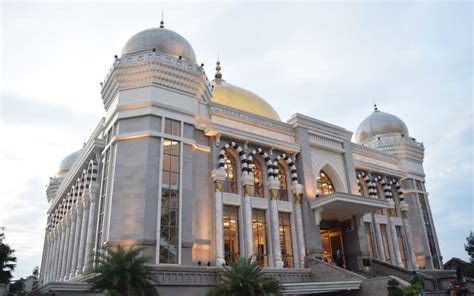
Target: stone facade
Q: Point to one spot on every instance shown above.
(166, 167)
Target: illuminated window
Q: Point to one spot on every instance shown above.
(369, 237)
(258, 178)
(170, 202)
(172, 127)
(283, 193)
(230, 182)
(259, 229)
(231, 233)
(285, 239)
(386, 246)
(324, 184)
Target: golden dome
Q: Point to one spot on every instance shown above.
(227, 94)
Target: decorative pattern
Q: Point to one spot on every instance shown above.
(291, 165)
(239, 149)
(272, 168)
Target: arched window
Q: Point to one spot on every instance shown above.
(258, 178)
(324, 185)
(230, 183)
(283, 193)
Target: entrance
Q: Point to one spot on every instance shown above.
(331, 240)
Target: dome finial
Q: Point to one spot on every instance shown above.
(218, 68)
(375, 105)
(162, 23)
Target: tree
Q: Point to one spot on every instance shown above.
(469, 247)
(35, 274)
(18, 287)
(245, 277)
(123, 272)
(7, 263)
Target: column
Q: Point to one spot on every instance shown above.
(378, 240)
(72, 232)
(77, 238)
(274, 187)
(44, 257)
(298, 195)
(60, 251)
(248, 182)
(409, 237)
(89, 248)
(396, 246)
(54, 252)
(49, 263)
(218, 176)
(66, 247)
(82, 241)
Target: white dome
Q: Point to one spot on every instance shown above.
(67, 163)
(160, 39)
(379, 123)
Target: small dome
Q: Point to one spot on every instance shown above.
(379, 123)
(161, 39)
(67, 163)
(227, 94)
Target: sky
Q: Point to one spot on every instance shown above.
(328, 60)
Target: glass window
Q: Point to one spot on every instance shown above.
(258, 178)
(259, 229)
(369, 237)
(283, 192)
(170, 202)
(401, 245)
(285, 239)
(231, 233)
(230, 182)
(172, 127)
(429, 230)
(323, 185)
(386, 246)
(103, 196)
(419, 185)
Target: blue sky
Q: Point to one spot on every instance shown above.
(326, 60)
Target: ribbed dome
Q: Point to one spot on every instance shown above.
(160, 39)
(227, 94)
(67, 163)
(379, 123)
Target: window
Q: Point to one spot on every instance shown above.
(386, 247)
(401, 245)
(285, 239)
(324, 185)
(170, 202)
(172, 127)
(283, 192)
(369, 237)
(429, 230)
(419, 185)
(231, 233)
(230, 182)
(258, 178)
(259, 229)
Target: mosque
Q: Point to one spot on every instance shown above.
(199, 172)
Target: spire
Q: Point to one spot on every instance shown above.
(162, 23)
(375, 105)
(218, 70)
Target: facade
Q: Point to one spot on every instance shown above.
(198, 172)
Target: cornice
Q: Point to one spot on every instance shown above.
(320, 127)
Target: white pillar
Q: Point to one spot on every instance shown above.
(274, 186)
(66, 249)
(409, 241)
(83, 236)
(378, 240)
(54, 254)
(72, 232)
(77, 238)
(89, 249)
(297, 190)
(60, 251)
(49, 264)
(248, 182)
(218, 175)
(396, 246)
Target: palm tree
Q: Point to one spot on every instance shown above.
(243, 278)
(123, 272)
(7, 263)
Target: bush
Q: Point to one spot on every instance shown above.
(393, 288)
(412, 290)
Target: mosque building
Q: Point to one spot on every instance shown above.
(199, 172)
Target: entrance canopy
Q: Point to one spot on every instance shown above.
(341, 206)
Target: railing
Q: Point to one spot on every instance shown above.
(382, 268)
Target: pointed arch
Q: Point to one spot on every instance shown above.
(238, 149)
(291, 164)
(334, 177)
(271, 169)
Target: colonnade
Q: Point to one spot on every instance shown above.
(71, 230)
